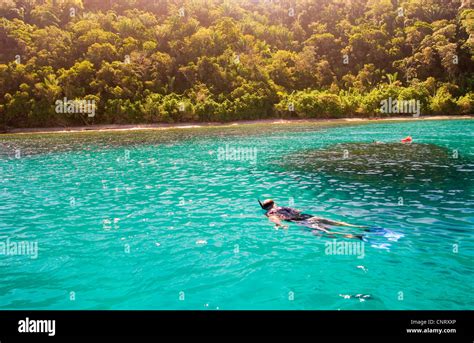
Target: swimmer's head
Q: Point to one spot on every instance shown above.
(267, 204)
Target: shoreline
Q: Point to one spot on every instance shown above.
(164, 126)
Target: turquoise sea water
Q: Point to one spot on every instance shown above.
(166, 220)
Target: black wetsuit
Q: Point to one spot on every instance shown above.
(288, 214)
(291, 215)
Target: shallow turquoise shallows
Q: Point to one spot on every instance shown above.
(169, 219)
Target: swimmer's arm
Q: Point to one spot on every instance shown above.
(277, 222)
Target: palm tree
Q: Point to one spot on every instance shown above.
(51, 87)
(392, 78)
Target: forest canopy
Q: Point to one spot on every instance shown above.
(152, 61)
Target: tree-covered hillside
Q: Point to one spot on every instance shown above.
(149, 61)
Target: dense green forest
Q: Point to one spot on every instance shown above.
(150, 61)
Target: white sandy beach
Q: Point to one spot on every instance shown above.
(164, 126)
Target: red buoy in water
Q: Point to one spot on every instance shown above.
(407, 140)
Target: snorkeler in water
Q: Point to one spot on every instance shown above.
(277, 214)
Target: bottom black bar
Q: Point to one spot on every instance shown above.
(449, 326)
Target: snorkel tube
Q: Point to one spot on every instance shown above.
(261, 205)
